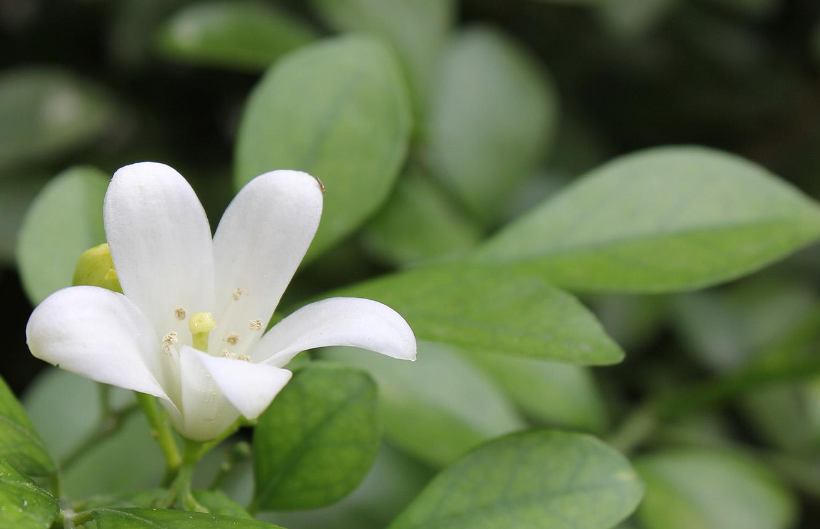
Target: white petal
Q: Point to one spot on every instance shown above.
(98, 334)
(206, 413)
(258, 245)
(249, 387)
(350, 322)
(161, 244)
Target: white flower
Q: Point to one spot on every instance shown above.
(171, 270)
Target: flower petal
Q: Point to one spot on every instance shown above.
(206, 413)
(99, 334)
(258, 245)
(161, 244)
(249, 387)
(350, 322)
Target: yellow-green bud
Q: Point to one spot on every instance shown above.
(200, 325)
(96, 268)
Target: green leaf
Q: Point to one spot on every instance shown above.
(49, 111)
(417, 29)
(20, 445)
(552, 394)
(24, 504)
(64, 221)
(17, 191)
(339, 111)
(697, 489)
(484, 151)
(663, 219)
(318, 439)
(215, 502)
(498, 309)
(63, 406)
(425, 413)
(529, 480)
(159, 519)
(237, 35)
(420, 223)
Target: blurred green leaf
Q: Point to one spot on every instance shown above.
(317, 441)
(698, 489)
(756, 8)
(417, 29)
(633, 18)
(530, 480)
(496, 309)
(438, 407)
(17, 191)
(492, 116)
(239, 35)
(664, 219)
(339, 111)
(24, 504)
(159, 519)
(552, 394)
(62, 406)
(20, 445)
(420, 223)
(63, 221)
(48, 111)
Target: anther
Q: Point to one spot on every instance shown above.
(237, 293)
(232, 338)
(321, 184)
(256, 325)
(179, 313)
(171, 338)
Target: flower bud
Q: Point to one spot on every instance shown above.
(96, 268)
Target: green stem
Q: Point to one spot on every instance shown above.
(240, 451)
(635, 430)
(179, 493)
(161, 432)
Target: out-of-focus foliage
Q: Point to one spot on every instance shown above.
(478, 157)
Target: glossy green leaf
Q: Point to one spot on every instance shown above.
(24, 505)
(529, 480)
(552, 394)
(664, 219)
(63, 221)
(695, 489)
(492, 116)
(215, 502)
(393, 481)
(49, 111)
(237, 35)
(159, 519)
(496, 309)
(339, 111)
(420, 223)
(20, 445)
(440, 406)
(318, 439)
(417, 29)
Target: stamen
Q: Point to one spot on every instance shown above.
(321, 184)
(171, 338)
(256, 325)
(237, 293)
(201, 324)
(179, 313)
(232, 338)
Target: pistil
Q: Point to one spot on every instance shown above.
(201, 324)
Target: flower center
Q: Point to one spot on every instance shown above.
(201, 324)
